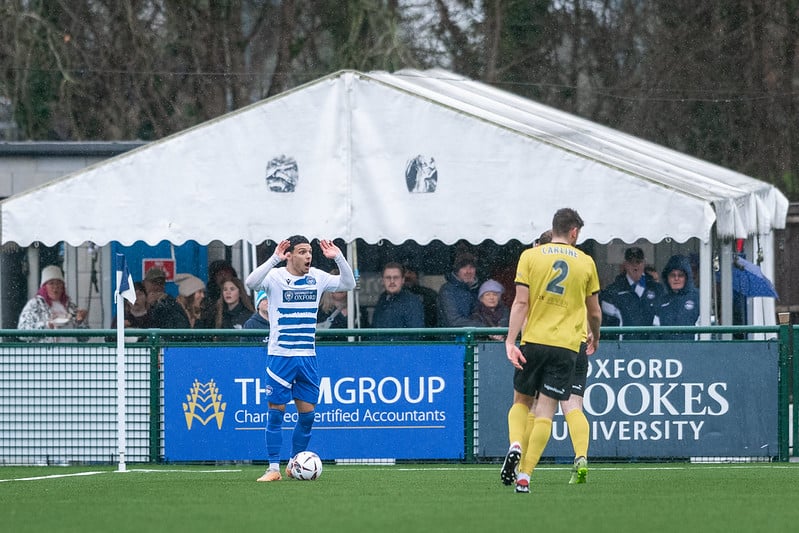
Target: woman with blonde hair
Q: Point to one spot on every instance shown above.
(191, 294)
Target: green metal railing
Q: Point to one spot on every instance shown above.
(81, 367)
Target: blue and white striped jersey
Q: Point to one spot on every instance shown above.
(293, 304)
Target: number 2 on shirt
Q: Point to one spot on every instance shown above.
(562, 271)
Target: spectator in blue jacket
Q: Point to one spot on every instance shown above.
(397, 307)
(679, 304)
(260, 318)
(457, 298)
(630, 300)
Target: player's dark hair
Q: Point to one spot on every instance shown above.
(294, 240)
(564, 220)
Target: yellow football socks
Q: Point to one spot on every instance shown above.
(579, 432)
(528, 428)
(517, 418)
(539, 437)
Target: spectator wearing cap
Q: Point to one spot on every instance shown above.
(490, 310)
(260, 318)
(679, 303)
(51, 308)
(631, 299)
(397, 307)
(154, 285)
(457, 297)
(184, 311)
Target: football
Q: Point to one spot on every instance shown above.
(306, 466)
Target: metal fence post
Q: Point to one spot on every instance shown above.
(155, 397)
(783, 395)
(794, 336)
(468, 410)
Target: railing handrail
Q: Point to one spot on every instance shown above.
(375, 332)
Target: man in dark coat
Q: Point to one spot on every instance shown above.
(457, 298)
(630, 300)
(397, 307)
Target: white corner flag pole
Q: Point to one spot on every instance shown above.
(125, 290)
(121, 438)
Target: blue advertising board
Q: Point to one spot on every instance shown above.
(390, 402)
(655, 399)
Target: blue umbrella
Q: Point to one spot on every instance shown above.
(749, 280)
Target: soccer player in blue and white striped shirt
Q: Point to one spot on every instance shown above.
(293, 292)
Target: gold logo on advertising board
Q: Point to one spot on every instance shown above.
(204, 397)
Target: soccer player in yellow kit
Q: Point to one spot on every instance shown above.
(557, 290)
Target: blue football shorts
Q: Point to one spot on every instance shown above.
(290, 378)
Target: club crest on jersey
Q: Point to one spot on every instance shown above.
(299, 296)
(307, 280)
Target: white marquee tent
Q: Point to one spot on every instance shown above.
(354, 150)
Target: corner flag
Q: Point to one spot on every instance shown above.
(125, 280)
(125, 289)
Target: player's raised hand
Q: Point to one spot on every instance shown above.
(329, 249)
(281, 250)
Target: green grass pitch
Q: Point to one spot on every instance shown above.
(409, 497)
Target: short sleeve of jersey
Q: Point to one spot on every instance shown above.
(523, 268)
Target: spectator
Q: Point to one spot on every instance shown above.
(260, 318)
(679, 304)
(428, 296)
(458, 296)
(219, 272)
(397, 307)
(652, 272)
(183, 312)
(233, 308)
(333, 312)
(630, 299)
(136, 315)
(51, 308)
(154, 286)
(490, 310)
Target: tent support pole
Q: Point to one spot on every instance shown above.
(705, 278)
(725, 266)
(352, 296)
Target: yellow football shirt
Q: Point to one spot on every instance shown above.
(560, 277)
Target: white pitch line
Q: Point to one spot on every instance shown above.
(178, 470)
(599, 467)
(53, 476)
(145, 470)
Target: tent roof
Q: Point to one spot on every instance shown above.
(502, 164)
